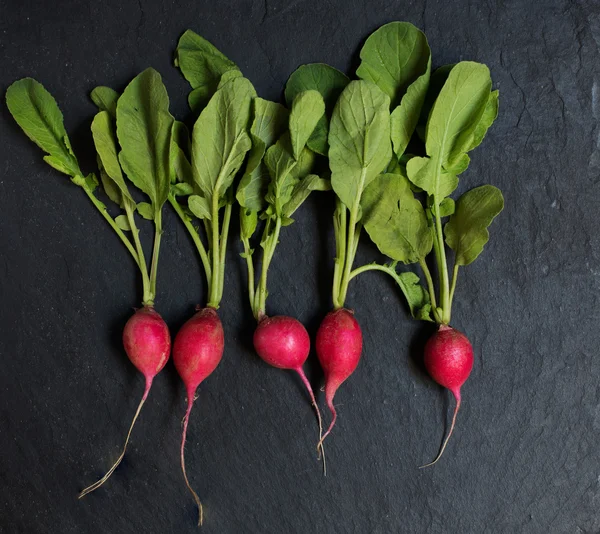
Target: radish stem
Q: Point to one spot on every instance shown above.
(195, 237)
(453, 285)
(148, 298)
(102, 209)
(155, 251)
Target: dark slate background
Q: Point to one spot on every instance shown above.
(525, 455)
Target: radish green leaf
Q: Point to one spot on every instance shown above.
(144, 132)
(359, 140)
(37, 113)
(466, 231)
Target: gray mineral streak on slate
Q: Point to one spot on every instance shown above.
(524, 456)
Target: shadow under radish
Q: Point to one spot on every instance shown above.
(416, 349)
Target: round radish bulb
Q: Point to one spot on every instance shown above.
(449, 361)
(147, 343)
(339, 345)
(282, 342)
(197, 350)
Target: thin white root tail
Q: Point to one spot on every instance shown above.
(187, 482)
(96, 485)
(447, 437)
(320, 448)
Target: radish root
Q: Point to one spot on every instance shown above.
(187, 482)
(456, 408)
(96, 485)
(320, 447)
(332, 424)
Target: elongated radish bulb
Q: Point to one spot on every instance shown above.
(197, 350)
(339, 345)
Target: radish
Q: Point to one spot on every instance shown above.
(283, 342)
(339, 345)
(276, 182)
(132, 142)
(197, 351)
(454, 112)
(147, 343)
(449, 361)
(359, 150)
(205, 167)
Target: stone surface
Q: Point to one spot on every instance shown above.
(525, 455)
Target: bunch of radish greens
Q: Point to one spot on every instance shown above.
(398, 139)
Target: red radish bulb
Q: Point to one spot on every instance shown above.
(283, 342)
(197, 350)
(449, 361)
(147, 343)
(339, 344)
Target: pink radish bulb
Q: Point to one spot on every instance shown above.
(283, 342)
(339, 345)
(147, 343)
(197, 350)
(449, 361)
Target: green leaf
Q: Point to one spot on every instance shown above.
(280, 162)
(201, 64)
(447, 207)
(487, 119)
(308, 107)
(182, 189)
(199, 206)
(105, 141)
(395, 220)
(229, 75)
(123, 223)
(436, 82)
(109, 186)
(359, 140)
(106, 99)
(422, 173)
(37, 113)
(180, 148)
(303, 165)
(466, 231)
(457, 111)
(393, 57)
(145, 210)
(248, 223)
(328, 81)
(416, 295)
(220, 138)
(405, 117)
(397, 58)
(199, 97)
(91, 182)
(302, 189)
(450, 128)
(144, 132)
(270, 121)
